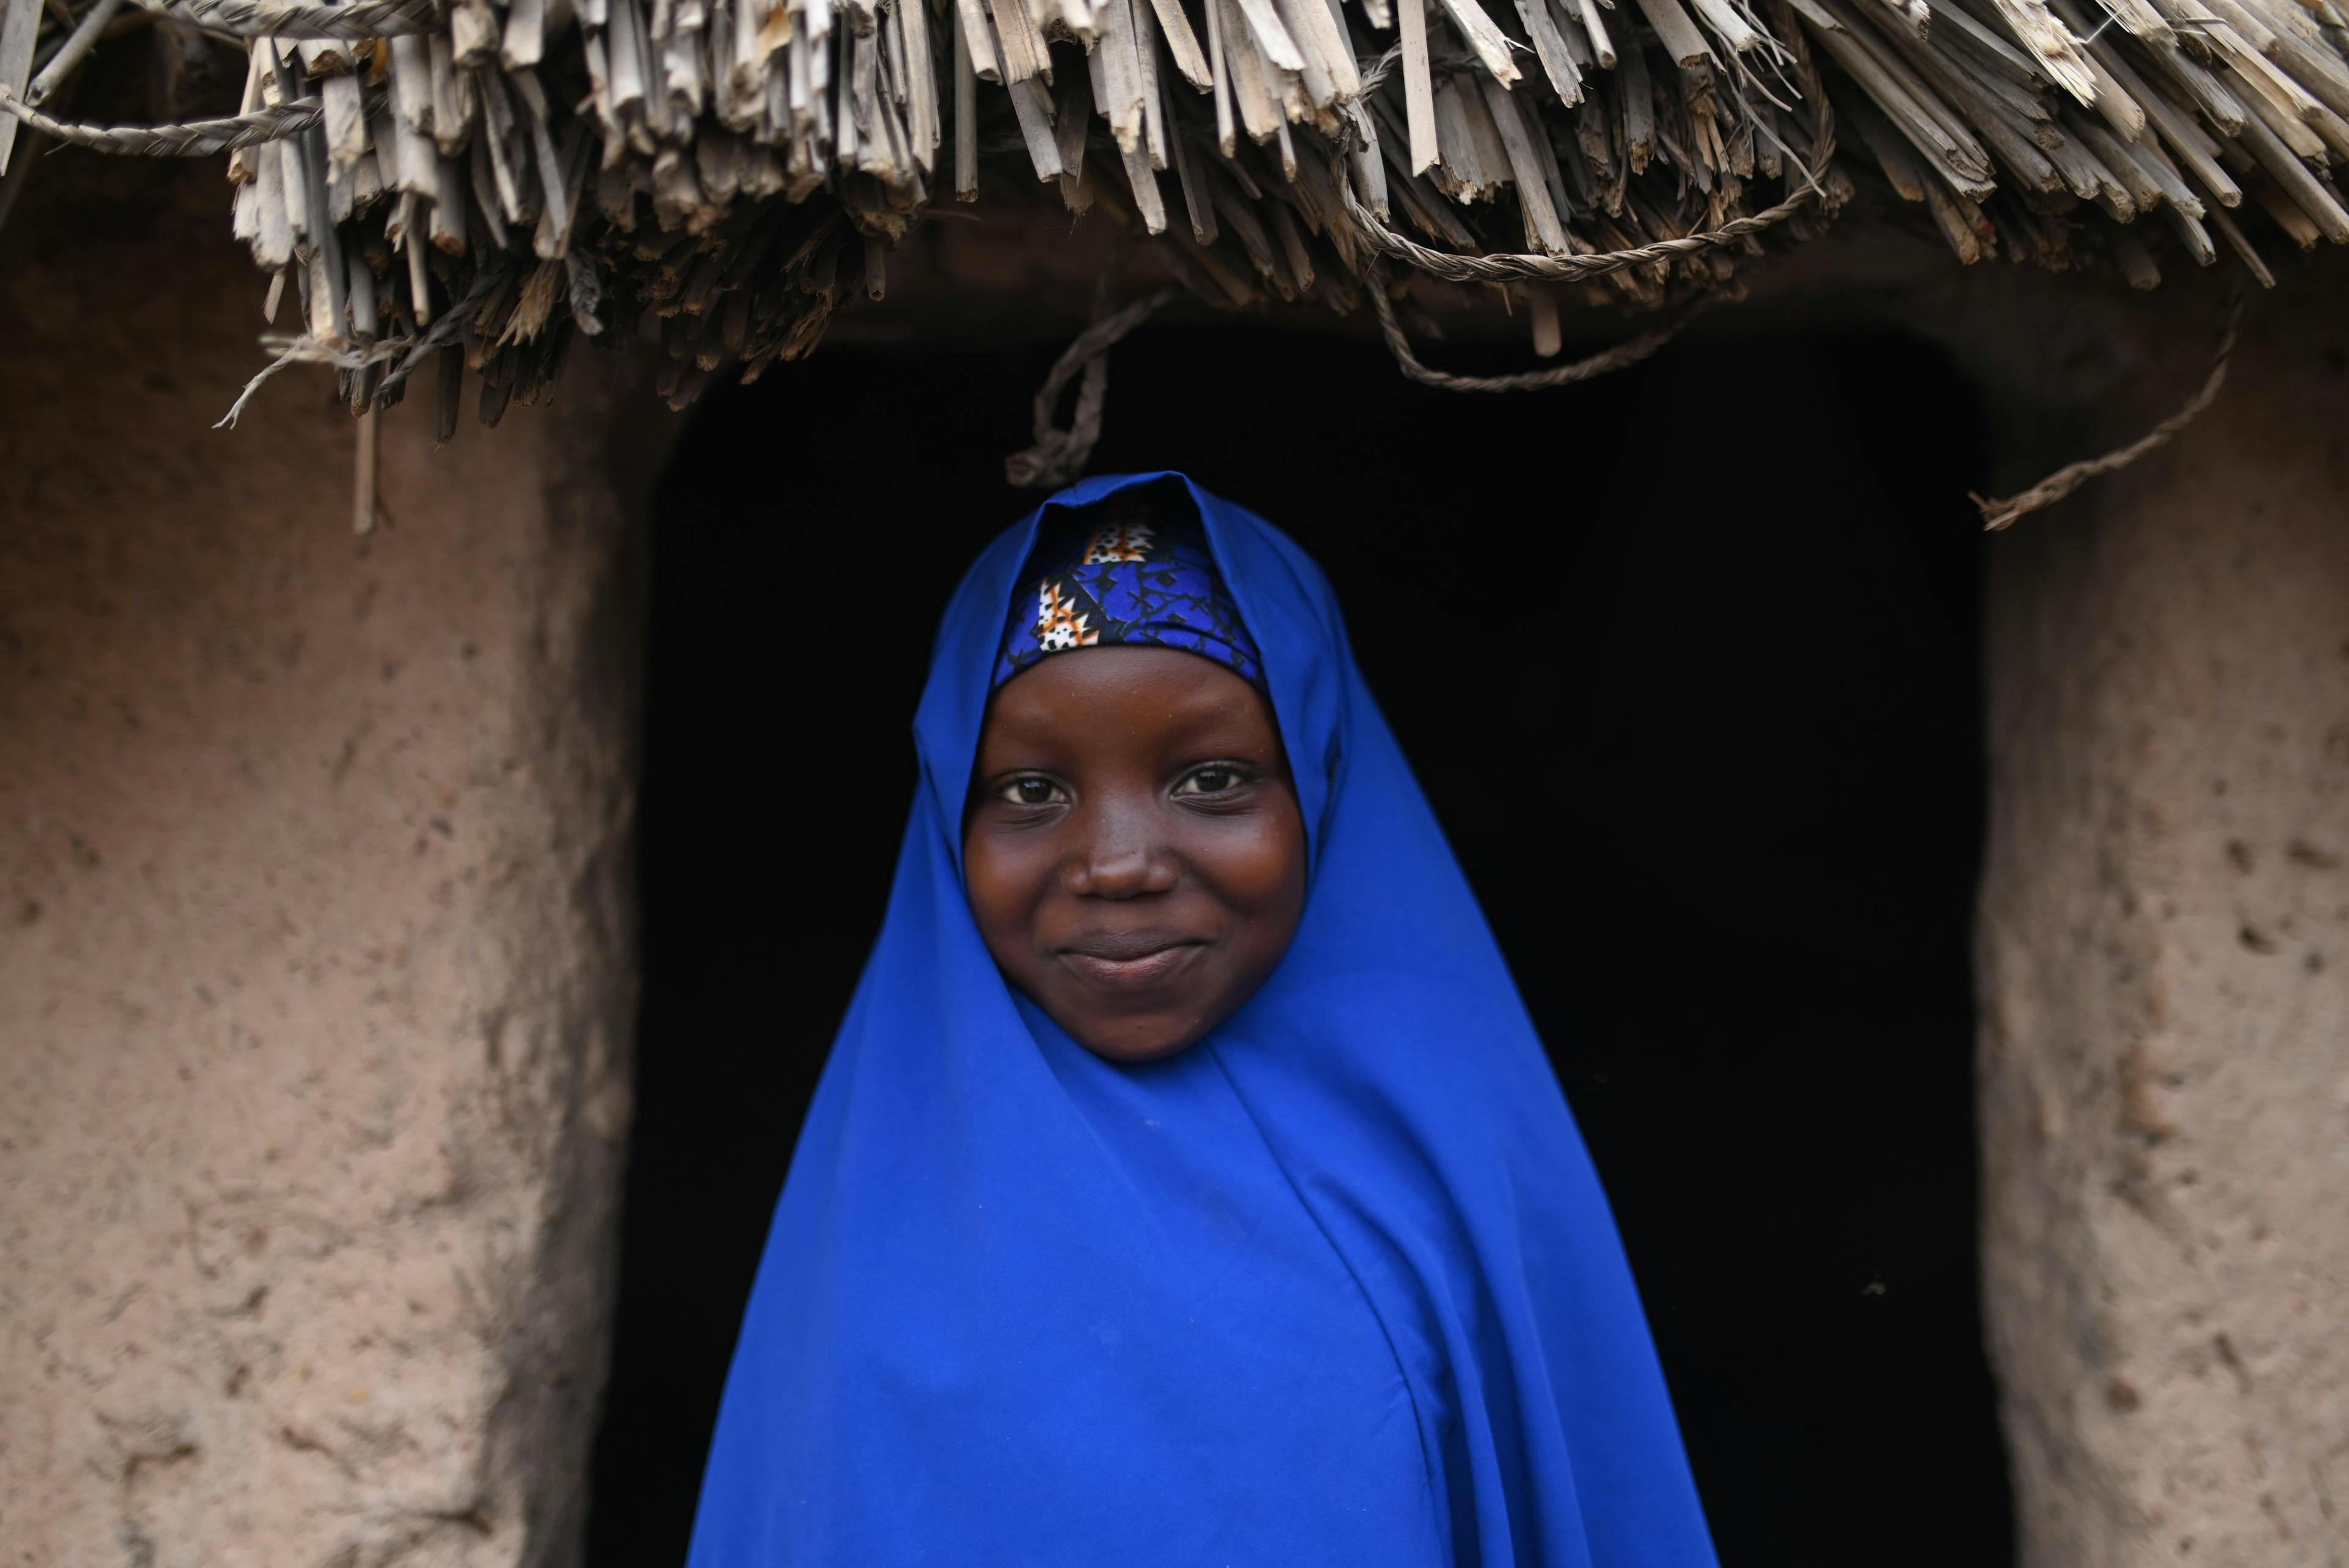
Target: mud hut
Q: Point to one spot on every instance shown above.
(326, 937)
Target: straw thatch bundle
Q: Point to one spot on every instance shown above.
(463, 183)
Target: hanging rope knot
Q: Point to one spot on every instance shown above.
(1061, 455)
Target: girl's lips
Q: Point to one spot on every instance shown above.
(1137, 969)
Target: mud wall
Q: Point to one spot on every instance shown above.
(316, 953)
(2164, 948)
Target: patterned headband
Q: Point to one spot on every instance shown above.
(1128, 583)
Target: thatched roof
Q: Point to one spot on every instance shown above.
(454, 185)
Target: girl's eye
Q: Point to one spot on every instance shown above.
(1029, 791)
(1216, 778)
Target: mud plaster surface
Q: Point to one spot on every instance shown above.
(2165, 949)
(316, 964)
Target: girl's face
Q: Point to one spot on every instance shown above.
(1134, 850)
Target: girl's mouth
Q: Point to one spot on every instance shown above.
(1130, 960)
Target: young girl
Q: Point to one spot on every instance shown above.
(1187, 1184)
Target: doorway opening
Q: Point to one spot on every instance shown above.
(1687, 659)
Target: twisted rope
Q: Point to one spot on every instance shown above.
(357, 19)
(2001, 515)
(1060, 455)
(1615, 358)
(190, 139)
(1503, 268)
(411, 352)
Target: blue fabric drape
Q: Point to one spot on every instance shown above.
(1335, 1286)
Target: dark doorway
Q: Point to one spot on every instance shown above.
(1687, 659)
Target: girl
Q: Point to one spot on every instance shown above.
(1187, 1184)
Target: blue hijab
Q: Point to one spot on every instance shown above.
(1334, 1288)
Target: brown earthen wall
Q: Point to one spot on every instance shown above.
(316, 971)
(2164, 948)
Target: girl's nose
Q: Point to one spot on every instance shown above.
(1122, 858)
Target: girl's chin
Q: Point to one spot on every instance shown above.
(1132, 1053)
(1139, 1036)
(1139, 1009)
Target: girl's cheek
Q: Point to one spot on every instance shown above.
(1264, 871)
(1008, 884)
(992, 889)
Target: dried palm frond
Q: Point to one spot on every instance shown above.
(481, 180)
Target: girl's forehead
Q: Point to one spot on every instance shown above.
(1107, 697)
